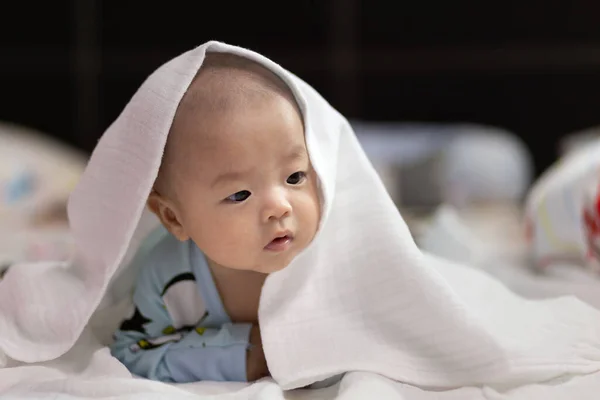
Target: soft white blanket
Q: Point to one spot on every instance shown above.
(362, 297)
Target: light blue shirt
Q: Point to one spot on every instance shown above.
(180, 331)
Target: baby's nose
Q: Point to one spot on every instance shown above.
(278, 206)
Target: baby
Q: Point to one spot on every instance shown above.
(238, 199)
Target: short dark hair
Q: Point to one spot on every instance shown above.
(224, 81)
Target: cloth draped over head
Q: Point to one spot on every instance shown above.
(361, 297)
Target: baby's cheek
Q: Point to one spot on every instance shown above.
(234, 235)
(208, 230)
(308, 215)
(312, 205)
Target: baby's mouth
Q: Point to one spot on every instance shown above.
(280, 243)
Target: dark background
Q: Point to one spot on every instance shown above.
(533, 67)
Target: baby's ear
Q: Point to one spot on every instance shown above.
(166, 211)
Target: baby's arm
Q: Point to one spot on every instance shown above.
(256, 363)
(149, 347)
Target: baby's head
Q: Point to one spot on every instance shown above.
(236, 176)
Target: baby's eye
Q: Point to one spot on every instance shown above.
(239, 196)
(296, 178)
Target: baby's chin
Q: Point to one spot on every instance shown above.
(268, 264)
(262, 268)
(272, 269)
(272, 266)
(267, 268)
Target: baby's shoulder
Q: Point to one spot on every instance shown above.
(163, 260)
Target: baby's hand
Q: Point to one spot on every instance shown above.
(256, 364)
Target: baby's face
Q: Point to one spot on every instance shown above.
(247, 194)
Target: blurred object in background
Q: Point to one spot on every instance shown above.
(35, 172)
(394, 148)
(576, 140)
(37, 175)
(426, 164)
(484, 164)
(562, 211)
(532, 70)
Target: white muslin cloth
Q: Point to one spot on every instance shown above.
(362, 297)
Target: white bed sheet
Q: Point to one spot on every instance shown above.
(89, 372)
